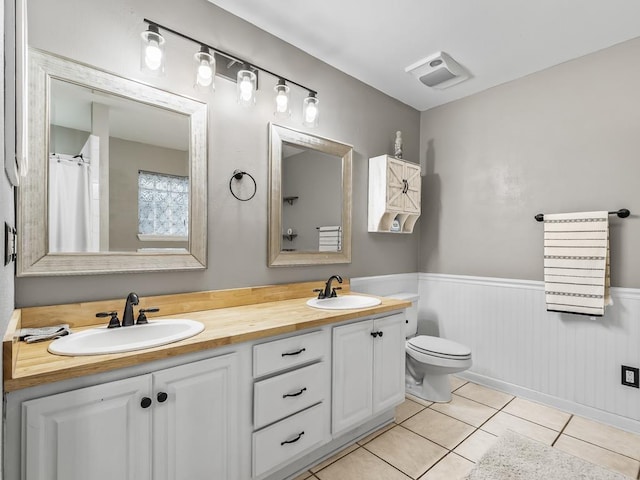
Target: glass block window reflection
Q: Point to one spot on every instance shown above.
(163, 204)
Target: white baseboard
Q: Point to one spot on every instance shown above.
(614, 420)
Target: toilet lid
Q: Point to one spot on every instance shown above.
(440, 347)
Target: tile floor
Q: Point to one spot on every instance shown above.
(443, 441)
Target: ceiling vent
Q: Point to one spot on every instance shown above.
(438, 71)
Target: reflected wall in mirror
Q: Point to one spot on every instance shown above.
(310, 199)
(118, 174)
(95, 186)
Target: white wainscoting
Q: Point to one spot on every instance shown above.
(570, 361)
(382, 285)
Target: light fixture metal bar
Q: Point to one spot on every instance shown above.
(229, 56)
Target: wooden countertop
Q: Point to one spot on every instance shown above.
(27, 365)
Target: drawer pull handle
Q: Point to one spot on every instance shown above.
(289, 354)
(292, 441)
(304, 389)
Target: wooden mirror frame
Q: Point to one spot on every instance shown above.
(277, 256)
(32, 207)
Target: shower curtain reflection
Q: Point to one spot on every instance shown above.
(70, 205)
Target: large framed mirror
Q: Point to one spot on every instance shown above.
(118, 174)
(310, 199)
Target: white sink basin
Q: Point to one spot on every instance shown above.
(98, 341)
(344, 302)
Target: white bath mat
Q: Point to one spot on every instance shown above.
(515, 457)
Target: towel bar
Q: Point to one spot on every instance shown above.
(622, 213)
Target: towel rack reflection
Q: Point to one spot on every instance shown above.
(622, 213)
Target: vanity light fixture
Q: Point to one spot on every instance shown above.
(283, 109)
(152, 51)
(211, 61)
(205, 69)
(310, 110)
(246, 86)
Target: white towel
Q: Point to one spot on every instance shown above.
(576, 262)
(330, 238)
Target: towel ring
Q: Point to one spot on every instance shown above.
(238, 175)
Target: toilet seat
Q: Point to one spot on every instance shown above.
(438, 347)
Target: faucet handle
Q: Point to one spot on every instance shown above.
(320, 292)
(333, 291)
(142, 318)
(114, 322)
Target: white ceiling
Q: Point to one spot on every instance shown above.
(496, 40)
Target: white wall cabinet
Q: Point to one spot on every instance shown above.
(368, 370)
(395, 187)
(173, 424)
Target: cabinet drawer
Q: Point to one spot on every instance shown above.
(278, 355)
(277, 444)
(280, 396)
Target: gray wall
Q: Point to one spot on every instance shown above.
(106, 34)
(126, 158)
(316, 179)
(562, 140)
(66, 140)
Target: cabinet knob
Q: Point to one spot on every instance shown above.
(380, 334)
(162, 397)
(374, 334)
(146, 402)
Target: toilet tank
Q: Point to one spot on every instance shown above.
(411, 327)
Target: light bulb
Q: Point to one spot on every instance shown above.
(153, 55)
(282, 102)
(205, 66)
(246, 86)
(152, 51)
(311, 113)
(205, 74)
(246, 89)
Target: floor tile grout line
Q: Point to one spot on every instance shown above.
(562, 430)
(486, 404)
(600, 446)
(439, 444)
(390, 464)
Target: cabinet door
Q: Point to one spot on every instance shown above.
(195, 427)
(413, 188)
(395, 184)
(388, 362)
(95, 433)
(352, 374)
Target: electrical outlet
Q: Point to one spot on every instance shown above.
(630, 376)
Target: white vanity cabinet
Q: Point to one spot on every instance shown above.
(173, 424)
(291, 399)
(368, 370)
(395, 187)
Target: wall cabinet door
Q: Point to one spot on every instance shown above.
(389, 362)
(413, 188)
(352, 400)
(368, 369)
(196, 421)
(95, 433)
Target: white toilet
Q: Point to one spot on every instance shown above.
(430, 360)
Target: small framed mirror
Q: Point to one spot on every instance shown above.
(310, 199)
(117, 179)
